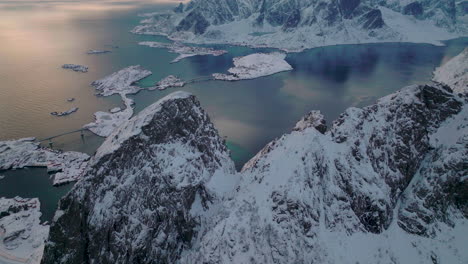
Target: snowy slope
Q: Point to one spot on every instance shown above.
(454, 73)
(296, 25)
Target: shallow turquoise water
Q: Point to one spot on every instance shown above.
(38, 38)
(30, 183)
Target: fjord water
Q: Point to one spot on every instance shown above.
(38, 37)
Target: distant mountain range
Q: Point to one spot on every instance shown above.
(300, 24)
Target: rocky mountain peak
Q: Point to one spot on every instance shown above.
(137, 195)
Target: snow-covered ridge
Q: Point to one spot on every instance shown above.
(183, 50)
(454, 73)
(22, 236)
(133, 126)
(297, 25)
(157, 164)
(254, 66)
(374, 178)
(16, 154)
(385, 183)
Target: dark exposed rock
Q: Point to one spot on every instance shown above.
(313, 119)
(413, 9)
(194, 22)
(293, 19)
(372, 19)
(179, 8)
(348, 6)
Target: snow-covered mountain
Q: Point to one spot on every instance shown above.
(384, 184)
(300, 24)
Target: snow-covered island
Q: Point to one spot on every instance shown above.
(454, 73)
(2, 177)
(75, 67)
(16, 154)
(168, 82)
(22, 235)
(65, 113)
(91, 52)
(254, 66)
(122, 83)
(183, 50)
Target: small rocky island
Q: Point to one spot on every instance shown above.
(91, 52)
(75, 67)
(168, 82)
(65, 113)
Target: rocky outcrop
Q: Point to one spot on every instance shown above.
(372, 20)
(413, 9)
(137, 197)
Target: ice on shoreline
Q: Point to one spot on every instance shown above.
(22, 236)
(75, 67)
(168, 82)
(90, 52)
(120, 82)
(68, 112)
(183, 50)
(254, 66)
(17, 154)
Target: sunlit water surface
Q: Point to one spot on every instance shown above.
(37, 38)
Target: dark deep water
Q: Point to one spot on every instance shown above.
(38, 38)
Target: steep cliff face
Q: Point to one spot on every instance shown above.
(295, 25)
(384, 184)
(133, 205)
